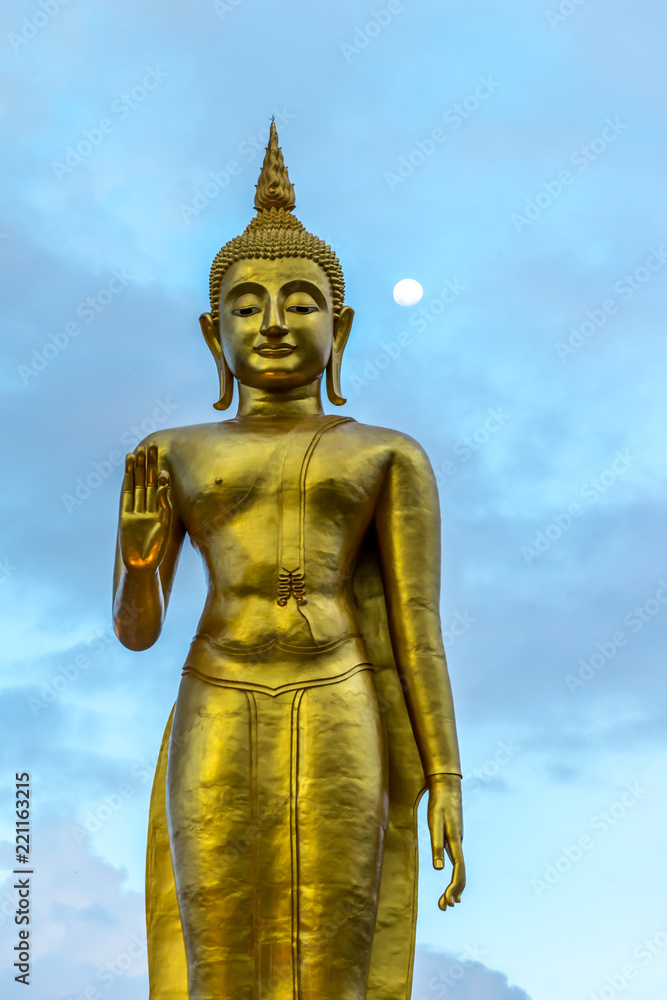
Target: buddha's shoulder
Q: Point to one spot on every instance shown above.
(170, 440)
(392, 441)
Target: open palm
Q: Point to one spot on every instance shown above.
(146, 512)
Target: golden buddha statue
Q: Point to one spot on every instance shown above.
(315, 706)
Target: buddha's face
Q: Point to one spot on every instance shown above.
(276, 322)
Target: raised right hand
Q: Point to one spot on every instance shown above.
(145, 513)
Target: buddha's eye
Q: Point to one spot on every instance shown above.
(246, 311)
(302, 310)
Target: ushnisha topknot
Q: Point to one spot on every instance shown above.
(275, 232)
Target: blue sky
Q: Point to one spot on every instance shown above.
(508, 156)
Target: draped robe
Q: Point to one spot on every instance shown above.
(392, 948)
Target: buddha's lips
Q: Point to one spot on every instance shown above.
(279, 351)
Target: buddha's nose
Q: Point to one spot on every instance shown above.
(273, 323)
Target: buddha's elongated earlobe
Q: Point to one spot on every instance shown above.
(211, 330)
(342, 327)
(333, 380)
(226, 386)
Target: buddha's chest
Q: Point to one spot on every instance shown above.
(277, 483)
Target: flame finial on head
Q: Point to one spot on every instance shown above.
(275, 231)
(273, 189)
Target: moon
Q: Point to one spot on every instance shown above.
(407, 292)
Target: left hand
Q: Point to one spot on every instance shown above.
(445, 821)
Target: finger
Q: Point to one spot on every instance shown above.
(454, 847)
(445, 900)
(151, 479)
(453, 837)
(437, 824)
(127, 496)
(448, 899)
(454, 850)
(163, 498)
(452, 893)
(140, 482)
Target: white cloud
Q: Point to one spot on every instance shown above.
(87, 929)
(442, 976)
